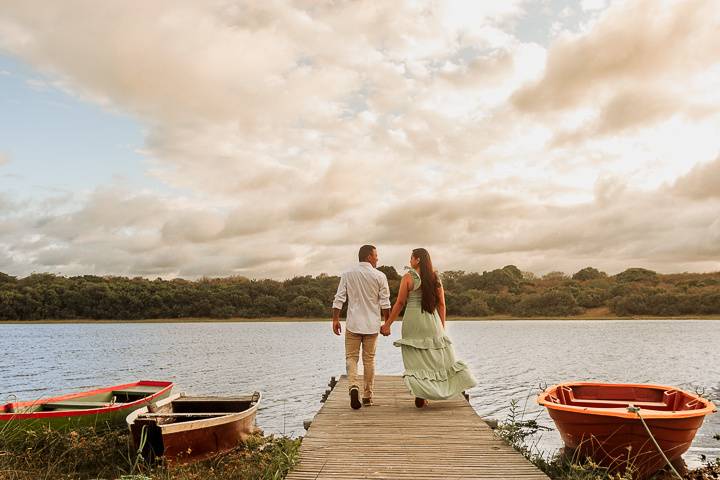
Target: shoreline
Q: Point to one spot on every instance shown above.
(606, 317)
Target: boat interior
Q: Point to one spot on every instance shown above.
(611, 396)
(98, 400)
(187, 409)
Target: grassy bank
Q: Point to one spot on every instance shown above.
(89, 454)
(519, 432)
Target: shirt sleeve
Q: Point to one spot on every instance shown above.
(384, 293)
(341, 294)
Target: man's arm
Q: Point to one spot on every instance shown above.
(340, 298)
(384, 298)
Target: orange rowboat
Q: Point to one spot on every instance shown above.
(594, 420)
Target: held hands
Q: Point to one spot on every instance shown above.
(337, 329)
(385, 329)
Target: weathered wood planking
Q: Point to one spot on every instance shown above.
(395, 440)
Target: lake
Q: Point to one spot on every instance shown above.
(291, 363)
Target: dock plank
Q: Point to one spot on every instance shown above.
(395, 440)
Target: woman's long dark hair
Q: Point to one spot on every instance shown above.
(428, 280)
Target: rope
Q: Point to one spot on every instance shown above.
(636, 410)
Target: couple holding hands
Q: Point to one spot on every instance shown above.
(431, 370)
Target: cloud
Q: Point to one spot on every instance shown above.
(290, 132)
(632, 42)
(593, 4)
(476, 230)
(4, 158)
(701, 183)
(626, 110)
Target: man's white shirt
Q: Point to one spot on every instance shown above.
(366, 290)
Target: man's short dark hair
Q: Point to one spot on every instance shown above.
(365, 252)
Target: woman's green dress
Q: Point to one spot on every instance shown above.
(431, 371)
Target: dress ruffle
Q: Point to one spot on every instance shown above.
(438, 375)
(427, 343)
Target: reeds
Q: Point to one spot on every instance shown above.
(108, 454)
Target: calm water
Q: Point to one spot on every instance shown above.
(291, 363)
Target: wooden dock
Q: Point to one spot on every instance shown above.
(395, 440)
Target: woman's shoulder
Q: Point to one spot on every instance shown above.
(412, 278)
(411, 273)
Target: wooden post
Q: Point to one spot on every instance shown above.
(491, 422)
(325, 395)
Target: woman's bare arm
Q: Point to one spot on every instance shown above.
(405, 286)
(441, 304)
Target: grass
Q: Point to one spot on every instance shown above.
(519, 432)
(602, 313)
(109, 454)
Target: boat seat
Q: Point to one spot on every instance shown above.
(567, 397)
(581, 402)
(69, 404)
(244, 398)
(133, 394)
(138, 389)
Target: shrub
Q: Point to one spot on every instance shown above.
(552, 303)
(588, 273)
(637, 275)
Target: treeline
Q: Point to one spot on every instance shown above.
(636, 291)
(505, 291)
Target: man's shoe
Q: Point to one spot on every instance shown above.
(367, 402)
(355, 398)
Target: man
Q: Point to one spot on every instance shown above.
(365, 288)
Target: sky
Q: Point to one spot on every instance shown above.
(268, 139)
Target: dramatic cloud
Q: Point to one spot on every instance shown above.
(289, 133)
(636, 41)
(702, 182)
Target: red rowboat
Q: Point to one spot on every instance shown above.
(107, 406)
(593, 419)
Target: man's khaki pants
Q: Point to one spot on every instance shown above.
(353, 341)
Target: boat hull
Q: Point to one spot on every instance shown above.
(195, 437)
(604, 422)
(618, 443)
(199, 443)
(98, 408)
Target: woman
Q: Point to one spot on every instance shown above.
(431, 371)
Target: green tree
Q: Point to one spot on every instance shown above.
(303, 306)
